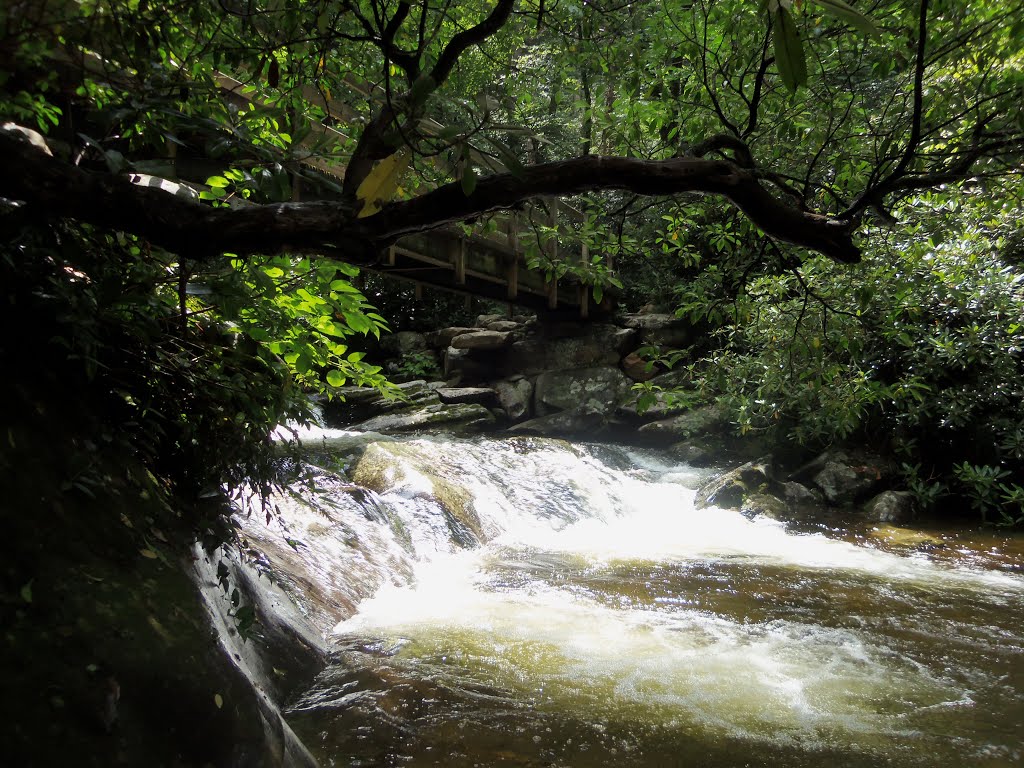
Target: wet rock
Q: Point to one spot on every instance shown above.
(483, 320)
(699, 421)
(891, 507)
(597, 390)
(694, 453)
(386, 467)
(906, 538)
(764, 505)
(460, 417)
(515, 397)
(481, 340)
(562, 424)
(798, 495)
(361, 403)
(729, 490)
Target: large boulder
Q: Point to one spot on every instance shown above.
(403, 467)
(502, 326)
(764, 505)
(660, 409)
(483, 395)
(515, 397)
(357, 404)
(597, 390)
(563, 424)
(845, 476)
(443, 338)
(699, 421)
(595, 345)
(728, 490)
(891, 507)
(481, 340)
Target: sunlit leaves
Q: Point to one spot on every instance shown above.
(382, 182)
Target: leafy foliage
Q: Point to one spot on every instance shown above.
(917, 350)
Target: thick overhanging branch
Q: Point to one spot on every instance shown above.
(51, 188)
(723, 178)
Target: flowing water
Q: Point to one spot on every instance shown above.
(529, 602)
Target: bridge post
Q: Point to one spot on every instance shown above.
(553, 255)
(584, 290)
(512, 278)
(457, 258)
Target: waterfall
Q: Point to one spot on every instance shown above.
(531, 600)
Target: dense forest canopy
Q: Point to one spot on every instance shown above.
(708, 145)
(810, 118)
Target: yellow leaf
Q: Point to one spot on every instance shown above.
(218, 700)
(148, 553)
(380, 184)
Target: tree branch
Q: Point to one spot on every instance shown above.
(53, 189)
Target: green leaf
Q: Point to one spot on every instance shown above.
(468, 180)
(850, 15)
(336, 378)
(789, 51)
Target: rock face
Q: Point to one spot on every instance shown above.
(515, 397)
(594, 390)
(844, 478)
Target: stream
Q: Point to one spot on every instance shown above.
(530, 602)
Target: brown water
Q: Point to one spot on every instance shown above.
(605, 621)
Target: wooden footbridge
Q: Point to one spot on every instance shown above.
(487, 262)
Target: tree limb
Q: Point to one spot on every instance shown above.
(52, 189)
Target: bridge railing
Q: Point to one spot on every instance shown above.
(506, 264)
